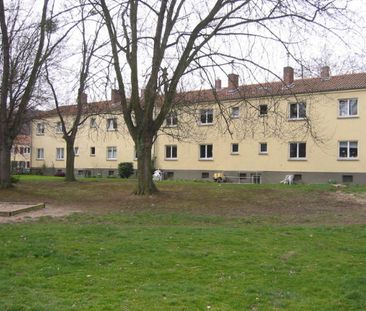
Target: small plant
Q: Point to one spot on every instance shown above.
(125, 169)
(14, 179)
(59, 173)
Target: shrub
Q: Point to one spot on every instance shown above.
(59, 174)
(125, 169)
(14, 179)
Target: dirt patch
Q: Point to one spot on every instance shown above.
(50, 211)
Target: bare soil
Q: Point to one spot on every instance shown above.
(279, 205)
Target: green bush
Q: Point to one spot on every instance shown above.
(125, 169)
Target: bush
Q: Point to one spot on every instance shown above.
(125, 169)
(14, 179)
(59, 174)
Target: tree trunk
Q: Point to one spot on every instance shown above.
(145, 183)
(70, 161)
(5, 169)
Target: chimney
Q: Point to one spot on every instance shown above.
(217, 84)
(325, 73)
(84, 98)
(233, 81)
(115, 97)
(288, 75)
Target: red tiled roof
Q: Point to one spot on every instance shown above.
(22, 140)
(301, 86)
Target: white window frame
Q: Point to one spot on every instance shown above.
(205, 113)
(260, 148)
(27, 150)
(297, 150)
(112, 124)
(40, 128)
(59, 127)
(205, 158)
(60, 154)
(40, 153)
(171, 119)
(348, 146)
(348, 114)
(232, 148)
(235, 112)
(169, 154)
(111, 153)
(297, 117)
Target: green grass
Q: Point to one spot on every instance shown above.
(195, 246)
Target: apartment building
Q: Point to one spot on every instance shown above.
(310, 128)
(21, 154)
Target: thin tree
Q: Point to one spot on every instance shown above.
(166, 40)
(72, 119)
(25, 45)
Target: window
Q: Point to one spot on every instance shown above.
(60, 153)
(205, 175)
(76, 151)
(58, 127)
(234, 148)
(263, 148)
(27, 150)
(348, 149)
(347, 179)
(40, 153)
(93, 123)
(111, 153)
(21, 150)
(171, 119)
(206, 152)
(263, 110)
(169, 175)
(297, 111)
(348, 108)
(171, 152)
(112, 124)
(110, 173)
(297, 150)
(206, 116)
(40, 129)
(235, 112)
(92, 151)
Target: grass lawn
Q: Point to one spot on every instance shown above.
(195, 246)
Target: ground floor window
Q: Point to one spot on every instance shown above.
(297, 150)
(76, 151)
(206, 152)
(263, 148)
(112, 153)
(40, 153)
(348, 149)
(347, 178)
(60, 153)
(234, 148)
(205, 175)
(171, 152)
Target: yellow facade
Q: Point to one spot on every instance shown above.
(327, 143)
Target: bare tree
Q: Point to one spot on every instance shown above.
(26, 42)
(167, 40)
(71, 118)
